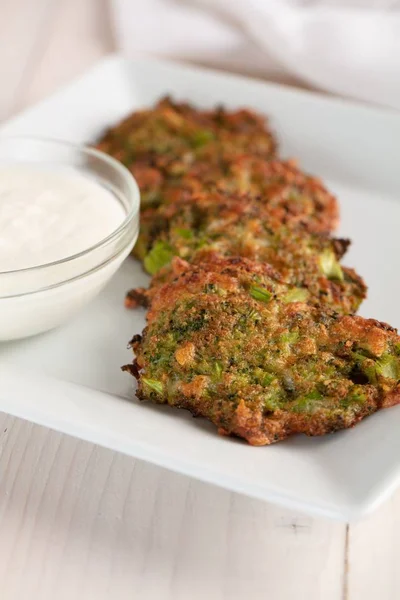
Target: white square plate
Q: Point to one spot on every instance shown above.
(70, 379)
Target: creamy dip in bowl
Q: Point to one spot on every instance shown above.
(69, 215)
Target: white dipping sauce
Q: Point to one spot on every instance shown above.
(51, 214)
(47, 215)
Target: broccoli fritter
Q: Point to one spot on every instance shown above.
(230, 342)
(299, 197)
(162, 143)
(236, 226)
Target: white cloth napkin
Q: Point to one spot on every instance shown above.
(349, 47)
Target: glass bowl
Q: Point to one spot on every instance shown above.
(38, 298)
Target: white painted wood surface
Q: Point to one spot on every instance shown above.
(81, 522)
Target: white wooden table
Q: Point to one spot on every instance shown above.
(81, 522)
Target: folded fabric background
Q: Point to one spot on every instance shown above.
(349, 47)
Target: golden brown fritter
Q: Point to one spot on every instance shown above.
(227, 342)
(162, 143)
(299, 197)
(238, 226)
